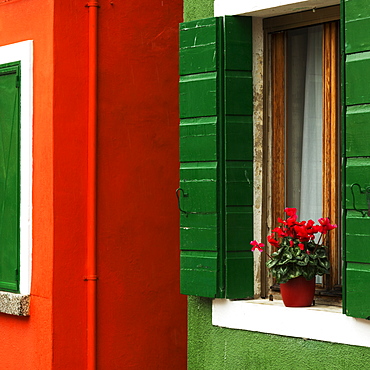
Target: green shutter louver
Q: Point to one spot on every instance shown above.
(216, 157)
(9, 176)
(356, 162)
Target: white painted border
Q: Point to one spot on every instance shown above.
(267, 8)
(23, 52)
(325, 323)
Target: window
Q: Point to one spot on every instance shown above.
(215, 106)
(305, 128)
(16, 98)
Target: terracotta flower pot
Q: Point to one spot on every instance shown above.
(298, 292)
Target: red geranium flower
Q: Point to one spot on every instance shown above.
(272, 241)
(291, 221)
(256, 245)
(325, 225)
(281, 233)
(291, 211)
(303, 234)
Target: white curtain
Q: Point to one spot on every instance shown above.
(304, 122)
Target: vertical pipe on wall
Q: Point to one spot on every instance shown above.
(91, 265)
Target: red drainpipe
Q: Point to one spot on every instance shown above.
(91, 269)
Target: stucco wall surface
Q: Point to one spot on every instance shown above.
(215, 348)
(197, 9)
(142, 316)
(69, 194)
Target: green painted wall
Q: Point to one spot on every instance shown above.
(197, 9)
(215, 348)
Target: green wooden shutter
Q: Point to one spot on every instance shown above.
(9, 176)
(356, 161)
(216, 155)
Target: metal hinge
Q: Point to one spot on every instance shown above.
(365, 191)
(17, 82)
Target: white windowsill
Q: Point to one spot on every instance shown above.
(325, 323)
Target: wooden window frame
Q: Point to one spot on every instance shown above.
(275, 107)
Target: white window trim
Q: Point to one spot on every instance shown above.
(267, 8)
(23, 52)
(325, 323)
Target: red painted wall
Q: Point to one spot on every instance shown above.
(138, 176)
(70, 158)
(142, 316)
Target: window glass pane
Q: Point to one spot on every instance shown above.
(304, 121)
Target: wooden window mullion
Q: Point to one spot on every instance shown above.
(330, 144)
(278, 124)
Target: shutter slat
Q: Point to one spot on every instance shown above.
(357, 238)
(357, 172)
(239, 222)
(239, 183)
(236, 127)
(357, 86)
(198, 95)
(357, 299)
(198, 139)
(357, 24)
(199, 273)
(357, 127)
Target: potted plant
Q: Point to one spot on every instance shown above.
(300, 254)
